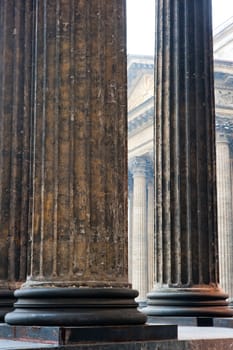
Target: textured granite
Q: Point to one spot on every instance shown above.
(190, 338)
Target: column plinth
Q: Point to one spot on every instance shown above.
(186, 267)
(78, 269)
(193, 301)
(75, 307)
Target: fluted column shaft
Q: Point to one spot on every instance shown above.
(130, 225)
(79, 186)
(139, 222)
(225, 219)
(186, 228)
(15, 49)
(78, 253)
(150, 232)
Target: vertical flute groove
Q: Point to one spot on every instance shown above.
(43, 136)
(13, 151)
(14, 143)
(158, 152)
(72, 136)
(175, 161)
(56, 124)
(34, 121)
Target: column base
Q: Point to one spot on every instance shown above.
(192, 302)
(75, 307)
(7, 300)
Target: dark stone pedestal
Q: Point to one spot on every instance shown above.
(223, 322)
(88, 334)
(7, 300)
(190, 338)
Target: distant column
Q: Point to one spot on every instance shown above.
(150, 229)
(130, 223)
(186, 202)
(78, 268)
(225, 218)
(139, 228)
(15, 51)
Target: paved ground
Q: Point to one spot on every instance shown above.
(21, 345)
(190, 333)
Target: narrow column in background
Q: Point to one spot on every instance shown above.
(225, 219)
(150, 229)
(139, 228)
(78, 255)
(15, 57)
(187, 282)
(130, 221)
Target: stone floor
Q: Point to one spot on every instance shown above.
(193, 338)
(11, 344)
(191, 333)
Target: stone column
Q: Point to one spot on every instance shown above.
(186, 226)
(139, 228)
(78, 246)
(225, 220)
(150, 230)
(15, 49)
(130, 221)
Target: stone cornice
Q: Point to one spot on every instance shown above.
(220, 63)
(133, 72)
(223, 80)
(141, 121)
(224, 125)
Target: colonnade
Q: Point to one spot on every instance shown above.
(65, 96)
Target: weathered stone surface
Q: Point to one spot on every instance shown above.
(15, 61)
(219, 344)
(88, 334)
(79, 231)
(190, 338)
(186, 276)
(78, 243)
